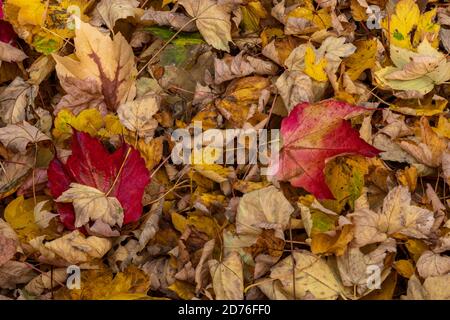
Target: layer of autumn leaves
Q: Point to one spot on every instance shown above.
(91, 91)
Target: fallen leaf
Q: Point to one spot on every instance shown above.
(13, 273)
(433, 288)
(363, 58)
(396, 216)
(353, 265)
(17, 136)
(73, 247)
(305, 149)
(212, 20)
(137, 115)
(9, 53)
(113, 10)
(15, 99)
(92, 204)
(263, 209)
(45, 26)
(430, 149)
(431, 264)
(227, 277)
(312, 275)
(106, 66)
(121, 174)
(416, 72)
(131, 284)
(20, 215)
(407, 17)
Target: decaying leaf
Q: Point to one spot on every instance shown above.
(212, 20)
(73, 247)
(312, 276)
(17, 136)
(396, 216)
(228, 278)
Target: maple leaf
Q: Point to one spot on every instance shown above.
(121, 174)
(312, 134)
(398, 215)
(407, 17)
(7, 34)
(103, 74)
(44, 24)
(90, 203)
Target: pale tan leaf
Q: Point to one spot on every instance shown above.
(15, 272)
(212, 20)
(92, 204)
(353, 265)
(9, 53)
(137, 115)
(265, 208)
(228, 277)
(312, 276)
(396, 216)
(431, 147)
(17, 136)
(15, 99)
(431, 264)
(43, 217)
(46, 281)
(167, 18)
(73, 247)
(113, 10)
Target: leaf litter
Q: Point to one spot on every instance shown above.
(349, 201)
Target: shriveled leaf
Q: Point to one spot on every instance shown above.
(113, 10)
(73, 247)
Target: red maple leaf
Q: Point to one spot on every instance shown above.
(313, 134)
(117, 174)
(7, 33)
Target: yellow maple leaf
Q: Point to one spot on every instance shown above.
(45, 24)
(363, 58)
(313, 68)
(443, 127)
(406, 18)
(319, 19)
(20, 215)
(90, 121)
